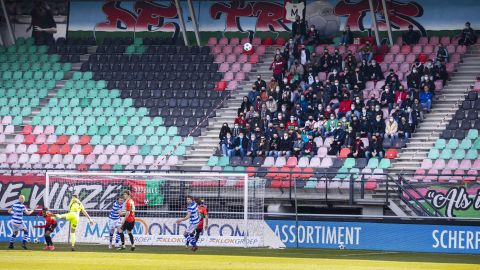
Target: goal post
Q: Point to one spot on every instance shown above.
(235, 204)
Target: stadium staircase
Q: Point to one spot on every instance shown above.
(446, 104)
(207, 144)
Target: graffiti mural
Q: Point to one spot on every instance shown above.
(455, 199)
(401, 14)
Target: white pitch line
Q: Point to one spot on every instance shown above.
(370, 253)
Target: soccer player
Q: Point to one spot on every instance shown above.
(50, 225)
(194, 219)
(129, 220)
(17, 210)
(203, 224)
(115, 222)
(73, 216)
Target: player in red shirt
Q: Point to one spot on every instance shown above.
(203, 224)
(50, 225)
(129, 220)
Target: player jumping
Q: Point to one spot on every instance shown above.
(50, 225)
(194, 218)
(115, 222)
(73, 216)
(17, 210)
(129, 220)
(203, 224)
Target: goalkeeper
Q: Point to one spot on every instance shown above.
(73, 216)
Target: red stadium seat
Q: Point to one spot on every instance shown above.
(27, 129)
(63, 139)
(65, 149)
(85, 139)
(292, 162)
(344, 153)
(391, 153)
(251, 171)
(29, 139)
(54, 149)
(253, 59)
(276, 184)
(42, 149)
(87, 150)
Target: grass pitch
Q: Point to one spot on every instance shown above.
(99, 257)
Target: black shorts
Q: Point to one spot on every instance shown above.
(128, 226)
(51, 228)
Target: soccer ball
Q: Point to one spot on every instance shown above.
(320, 14)
(145, 201)
(36, 240)
(341, 247)
(247, 47)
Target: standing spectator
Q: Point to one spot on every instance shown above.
(350, 62)
(240, 145)
(299, 30)
(467, 37)
(391, 129)
(304, 55)
(347, 36)
(312, 36)
(277, 67)
(259, 84)
(412, 119)
(366, 52)
(43, 24)
(442, 53)
(410, 37)
(426, 99)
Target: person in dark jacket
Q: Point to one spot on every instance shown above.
(414, 79)
(410, 37)
(375, 71)
(377, 126)
(312, 36)
(253, 145)
(467, 37)
(263, 147)
(227, 145)
(375, 148)
(310, 147)
(347, 36)
(223, 131)
(404, 131)
(358, 149)
(286, 146)
(241, 145)
(299, 30)
(387, 99)
(43, 23)
(339, 135)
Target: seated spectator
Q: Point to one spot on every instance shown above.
(349, 137)
(345, 106)
(426, 99)
(410, 37)
(253, 145)
(414, 79)
(427, 82)
(347, 36)
(271, 105)
(375, 148)
(227, 145)
(252, 96)
(223, 131)
(263, 147)
(236, 130)
(292, 124)
(244, 106)
(310, 147)
(374, 72)
(442, 53)
(312, 36)
(325, 64)
(285, 146)
(339, 135)
(387, 98)
(404, 130)
(274, 145)
(377, 126)
(358, 149)
(391, 77)
(391, 129)
(467, 37)
(303, 55)
(418, 107)
(366, 52)
(412, 119)
(331, 125)
(336, 60)
(296, 71)
(240, 145)
(259, 83)
(400, 95)
(298, 146)
(272, 85)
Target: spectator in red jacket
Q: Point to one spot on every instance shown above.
(277, 67)
(345, 106)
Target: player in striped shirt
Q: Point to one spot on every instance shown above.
(17, 210)
(115, 222)
(193, 218)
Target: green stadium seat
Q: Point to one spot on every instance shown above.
(18, 120)
(384, 163)
(223, 161)
(92, 130)
(137, 130)
(141, 140)
(161, 131)
(446, 154)
(349, 163)
(67, 121)
(472, 154)
(180, 151)
(476, 145)
(145, 150)
(117, 140)
(212, 161)
(176, 140)
(71, 130)
(60, 130)
(103, 130)
(228, 169)
(433, 154)
(372, 163)
(106, 140)
(156, 150)
(452, 144)
(440, 144)
(188, 141)
(165, 140)
(153, 140)
(114, 130)
(172, 131)
(167, 151)
(472, 134)
(342, 173)
(96, 139)
(465, 144)
(459, 154)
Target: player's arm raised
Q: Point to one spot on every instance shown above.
(29, 212)
(87, 215)
(180, 220)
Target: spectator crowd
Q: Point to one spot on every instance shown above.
(299, 108)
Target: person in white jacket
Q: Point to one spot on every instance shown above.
(391, 129)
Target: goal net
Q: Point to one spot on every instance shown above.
(235, 205)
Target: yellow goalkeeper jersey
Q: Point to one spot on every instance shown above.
(75, 207)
